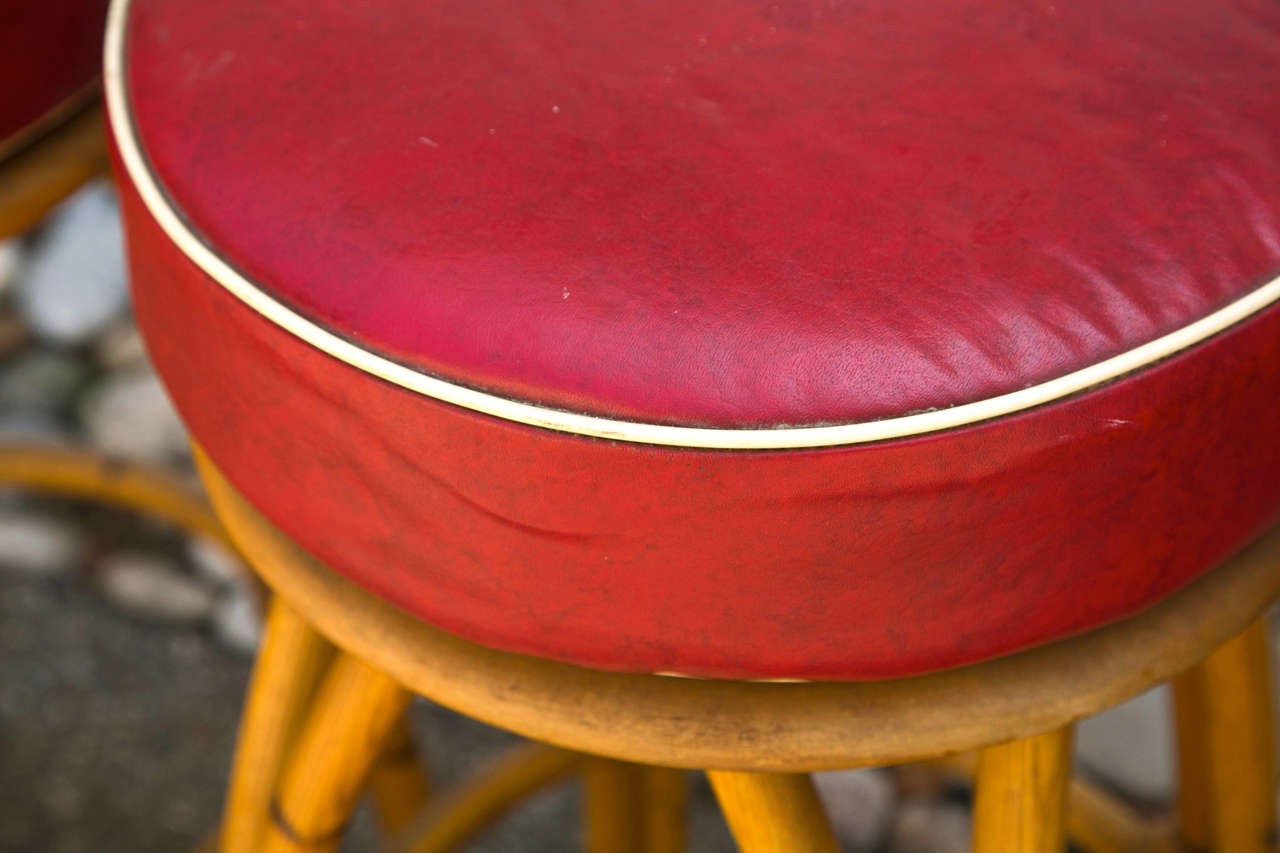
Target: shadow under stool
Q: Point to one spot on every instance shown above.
(752, 388)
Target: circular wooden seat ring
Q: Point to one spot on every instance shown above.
(782, 727)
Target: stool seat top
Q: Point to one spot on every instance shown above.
(762, 217)
(994, 285)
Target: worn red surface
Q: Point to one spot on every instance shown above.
(728, 214)
(49, 51)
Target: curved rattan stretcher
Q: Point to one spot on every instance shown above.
(51, 165)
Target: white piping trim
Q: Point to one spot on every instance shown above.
(527, 413)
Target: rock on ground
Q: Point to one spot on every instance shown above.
(860, 804)
(121, 346)
(153, 588)
(1131, 746)
(931, 827)
(73, 284)
(12, 258)
(129, 414)
(41, 382)
(237, 619)
(39, 545)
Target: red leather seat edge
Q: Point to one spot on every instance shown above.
(864, 561)
(996, 233)
(49, 52)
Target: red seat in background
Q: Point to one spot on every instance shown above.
(50, 53)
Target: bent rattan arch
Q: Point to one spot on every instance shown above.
(787, 727)
(48, 168)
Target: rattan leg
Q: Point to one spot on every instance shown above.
(1228, 751)
(665, 795)
(1021, 799)
(354, 713)
(613, 818)
(1195, 824)
(773, 812)
(290, 663)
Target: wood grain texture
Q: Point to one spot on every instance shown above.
(353, 714)
(766, 726)
(293, 658)
(613, 800)
(1191, 716)
(633, 808)
(1240, 745)
(665, 810)
(773, 812)
(1020, 803)
(1097, 821)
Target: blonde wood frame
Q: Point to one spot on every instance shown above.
(765, 726)
(75, 473)
(741, 732)
(1020, 805)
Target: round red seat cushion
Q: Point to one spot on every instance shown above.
(804, 339)
(50, 51)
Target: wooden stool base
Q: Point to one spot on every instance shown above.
(758, 740)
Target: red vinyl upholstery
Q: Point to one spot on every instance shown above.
(805, 339)
(50, 50)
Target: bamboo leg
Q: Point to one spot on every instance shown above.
(614, 822)
(665, 792)
(459, 814)
(773, 812)
(1096, 821)
(398, 782)
(1021, 797)
(1191, 716)
(1233, 699)
(289, 666)
(353, 715)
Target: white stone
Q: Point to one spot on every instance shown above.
(12, 259)
(129, 415)
(40, 381)
(74, 283)
(215, 563)
(121, 346)
(1131, 746)
(931, 827)
(236, 620)
(38, 545)
(860, 803)
(153, 588)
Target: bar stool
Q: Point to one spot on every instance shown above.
(922, 352)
